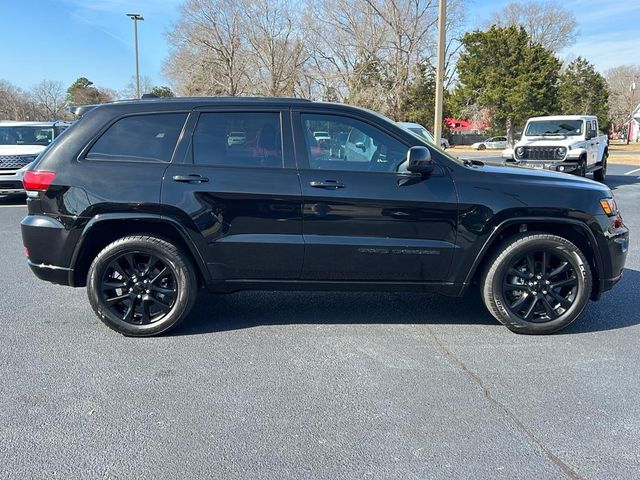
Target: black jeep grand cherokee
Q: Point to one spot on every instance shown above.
(145, 201)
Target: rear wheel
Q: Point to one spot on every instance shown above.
(537, 283)
(141, 285)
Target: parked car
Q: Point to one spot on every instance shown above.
(143, 202)
(568, 143)
(418, 129)
(493, 143)
(20, 144)
(322, 136)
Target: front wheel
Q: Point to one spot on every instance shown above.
(537, 283)
(141, 285)
(482, 146)
(600, 175)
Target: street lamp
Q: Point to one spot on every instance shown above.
(437, 121)
(135, 17)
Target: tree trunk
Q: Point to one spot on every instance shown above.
(510, 132)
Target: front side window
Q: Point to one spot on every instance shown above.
(141, 138)
(240, 139)
(352, 145)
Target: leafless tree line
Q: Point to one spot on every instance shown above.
(321, 50)
(45, 101)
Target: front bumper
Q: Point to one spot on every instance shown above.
(565, 167)
(11, 181)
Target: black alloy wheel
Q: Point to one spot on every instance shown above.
(540, 286)
(536, 283)
(139, 288)
(141, 285)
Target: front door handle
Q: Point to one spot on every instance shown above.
(192, 178)
(327, 184)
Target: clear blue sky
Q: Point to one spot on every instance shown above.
(65, 39)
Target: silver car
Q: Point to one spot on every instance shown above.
(493, 143)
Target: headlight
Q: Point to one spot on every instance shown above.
(560, 152)
(609, 207)
(519, 152)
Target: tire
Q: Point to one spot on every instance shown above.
(153, 283)
(482, 146)
(582, 169)
(543, 307)
(600, 175)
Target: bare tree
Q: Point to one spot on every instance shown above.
(209, 55)
(130, 89)
(624, 92)
(14, 104)
(547, 22)
(50, 99)
(276, 51)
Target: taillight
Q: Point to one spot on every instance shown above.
(37, 179)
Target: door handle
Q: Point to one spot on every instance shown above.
(192, 178)
(327, 184)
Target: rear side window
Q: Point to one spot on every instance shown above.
(140, 138)
(240, 139)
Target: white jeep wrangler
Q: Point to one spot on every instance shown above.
(20, 144)
(568, 143)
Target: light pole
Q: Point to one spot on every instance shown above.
(135, 17)
(437, 121)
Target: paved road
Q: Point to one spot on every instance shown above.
(317, 386)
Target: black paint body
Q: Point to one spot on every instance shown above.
(268, 228)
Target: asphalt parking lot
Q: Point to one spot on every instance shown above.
(317, 385)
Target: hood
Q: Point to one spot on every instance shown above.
(527, 176)
(21, 149)
(574, 142)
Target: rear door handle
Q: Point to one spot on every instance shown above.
(192, 178)
(327, 184)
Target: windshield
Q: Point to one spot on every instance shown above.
(26, 135)
(554, 127)
(422, 132)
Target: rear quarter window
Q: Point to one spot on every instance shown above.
(139, 138)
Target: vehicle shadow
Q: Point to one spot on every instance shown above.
(615, 181)
(18, 199)
(219, 313)
(616, 309)
(216, 313)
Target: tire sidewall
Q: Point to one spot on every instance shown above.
(583, 275)
(97, 271)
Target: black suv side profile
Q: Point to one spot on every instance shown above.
(146, 201)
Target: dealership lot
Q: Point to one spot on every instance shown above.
(317, 385)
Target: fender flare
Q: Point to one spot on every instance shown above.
(533, 220)
(157, 218)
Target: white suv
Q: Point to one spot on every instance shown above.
(20, 144)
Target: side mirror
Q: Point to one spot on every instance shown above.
(419, 160)
(590, 134)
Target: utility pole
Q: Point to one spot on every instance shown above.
(135, 17)
(437, 121)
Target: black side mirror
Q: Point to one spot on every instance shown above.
(419, 160)
(590, 134)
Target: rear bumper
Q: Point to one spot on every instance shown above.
(51, 273)
(45, 239)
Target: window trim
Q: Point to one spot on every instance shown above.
(82, 156)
